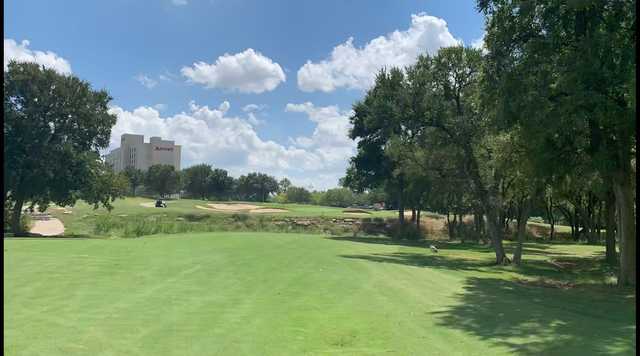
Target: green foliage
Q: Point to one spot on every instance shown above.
(196, 180)
(220, 185)
(54, 127)
(135, 178)
(162, 179)
(297, 195)
(341, 197)
(256, 186)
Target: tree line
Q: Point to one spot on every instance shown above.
(542, 119)
(202, 181)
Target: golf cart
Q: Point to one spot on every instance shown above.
(160, 204)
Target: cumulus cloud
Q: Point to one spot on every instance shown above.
(355, 68)
(160, 107)
(246, 72)
(254, 107)
(146, 81)
(208, 135)
(21, 53)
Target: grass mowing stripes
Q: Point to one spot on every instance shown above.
(240, 293)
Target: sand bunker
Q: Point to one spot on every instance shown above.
(267, 210)
(234, 207)
(48, 227)
(150, 204)
(240, 208)
(357, 214)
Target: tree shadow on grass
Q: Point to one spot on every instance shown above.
(423, 260)
(529, 248)
(533, 320)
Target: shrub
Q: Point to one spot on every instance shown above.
(297, 195)
(405, 232)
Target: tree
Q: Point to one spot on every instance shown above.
(377, 119)
(220, 185)
(256, 186)
(135, 178)
(341, 197)
(54, 128)
(565, 71)
(283, 185)
(297, 195)
(162, 179)
(196, 180)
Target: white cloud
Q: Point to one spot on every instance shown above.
(21, 53)
(179, 2)
(208, 135)
(246, 72)
(478, 43)
(160, 107)
(146, 81)
(355, 68)
(254, 107)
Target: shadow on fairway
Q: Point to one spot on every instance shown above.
(530, 248)
(421, 260)
(544, 321)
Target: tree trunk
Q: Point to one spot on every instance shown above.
(451, 226)
(611, 255)
(523, 216)
(413, 215)
(16, 227)
(495, 232)
(401, 201)
(626, 231)
(418, 220)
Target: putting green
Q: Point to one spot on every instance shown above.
(288, 294)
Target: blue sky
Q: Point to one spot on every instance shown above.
(123, 45)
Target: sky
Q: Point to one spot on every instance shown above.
(244, 85)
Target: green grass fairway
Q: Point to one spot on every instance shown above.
(289, 294)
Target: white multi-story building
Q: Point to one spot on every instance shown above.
(134, 152)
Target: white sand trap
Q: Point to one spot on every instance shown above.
(50, 227)
(357, 214)
(150, 204)
(205, 208)
(234, 207)
(267, 210)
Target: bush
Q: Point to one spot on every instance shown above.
(236, 217)
(405, 232)
(297, 195)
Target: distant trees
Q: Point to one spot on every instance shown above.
(162, 179)
(220, 185)
(54, 127)
(196, 180)
(256, 186)
(135, 178)
(297, 195)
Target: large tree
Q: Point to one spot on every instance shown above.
(162, 179)
(135, 178)
(377, 120)
(565, 72)
(220, 184)
(196, 180)
(256, 186)
(54, 127)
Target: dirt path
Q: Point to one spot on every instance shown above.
(47, 226)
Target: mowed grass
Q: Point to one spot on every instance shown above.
(290, 294)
